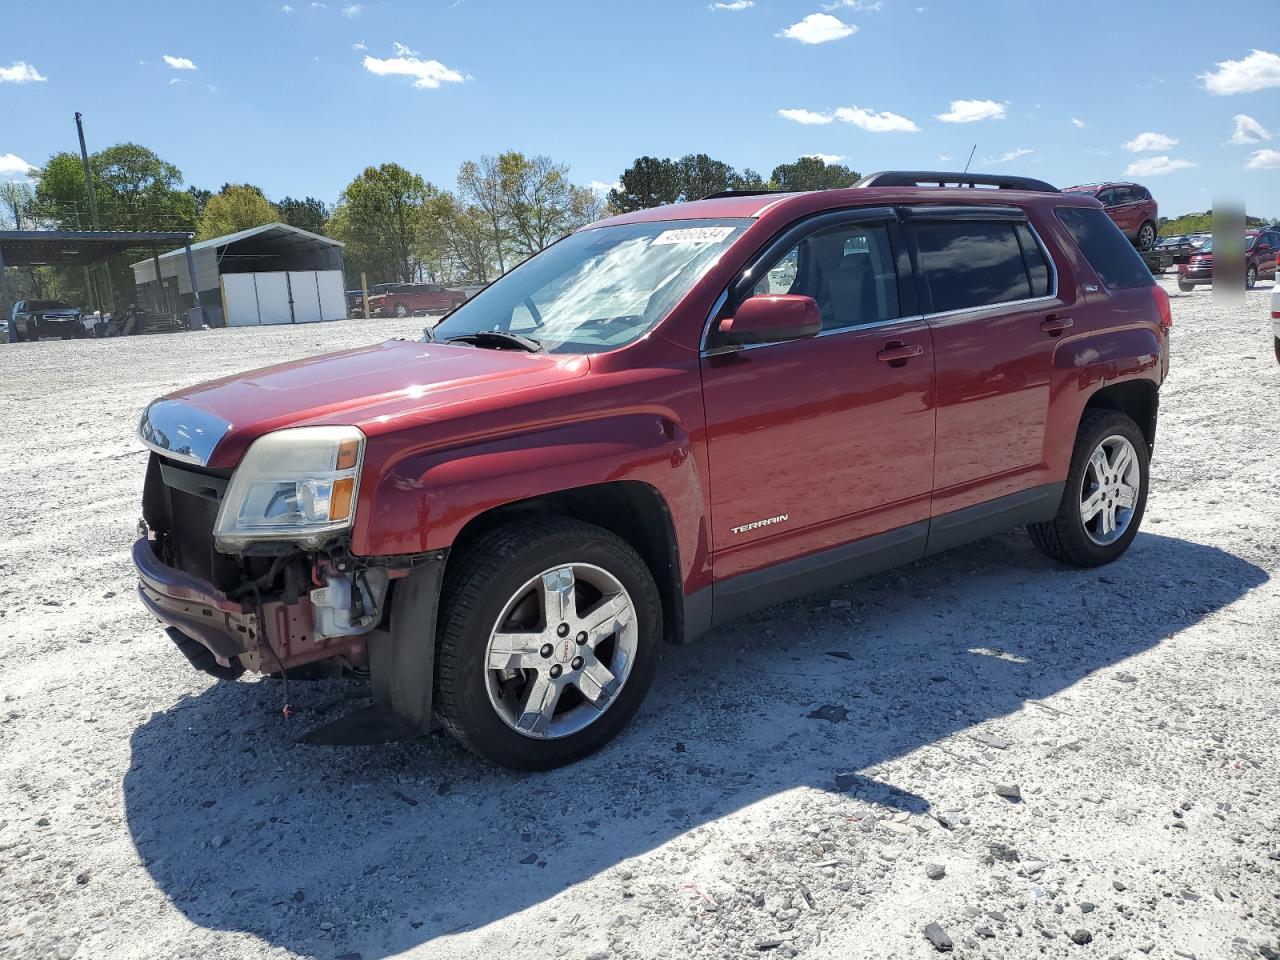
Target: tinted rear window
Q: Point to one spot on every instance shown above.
(978, 264)
(1108, 251)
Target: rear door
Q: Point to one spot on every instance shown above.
(990, 295)
(817, 442)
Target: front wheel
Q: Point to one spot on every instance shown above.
(1186, 287)
(1105, 494)
(401, 311)
(1146, 236)
(1250, 277)
(549, 638)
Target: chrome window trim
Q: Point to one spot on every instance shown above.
(181, 432)
(834, 332)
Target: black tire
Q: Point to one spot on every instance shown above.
(479, 582)
(1065, 538)
(1186, 287)
(1146, 238)
(1250, 277)
(402, 311)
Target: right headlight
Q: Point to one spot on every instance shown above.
(297, 486)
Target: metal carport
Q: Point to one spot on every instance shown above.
(82, 248)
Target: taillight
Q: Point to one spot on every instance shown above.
(1164, 306)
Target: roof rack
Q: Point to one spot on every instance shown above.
(740, 193)
(935, 178)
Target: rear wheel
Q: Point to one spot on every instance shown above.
(1146, 236)
(402, 311)
(549, 639)
(1105, 495)
(1250, 277)
(1186, 287)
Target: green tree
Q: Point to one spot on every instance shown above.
(307, 214)
(812, 173)
(381, 217)
(134, 189)
(201, 197)
(539, 204)
(648, 182)
(700, 175)
(237, 207)
(480, 188)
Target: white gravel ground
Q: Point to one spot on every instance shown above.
(147, 812)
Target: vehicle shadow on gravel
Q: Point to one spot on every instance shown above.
(372, 851)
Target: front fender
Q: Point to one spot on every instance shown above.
(421, 502)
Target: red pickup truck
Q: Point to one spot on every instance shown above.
(665, 421)
(408, 299)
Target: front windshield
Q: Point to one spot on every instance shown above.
(597, 289)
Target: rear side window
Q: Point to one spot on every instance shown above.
(969, 264)
(1108, 251)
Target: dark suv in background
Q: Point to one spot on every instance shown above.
(33, 319)
(1130, 206)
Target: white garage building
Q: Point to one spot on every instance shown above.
(274, 273)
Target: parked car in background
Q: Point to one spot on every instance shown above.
(1275, 315)
(504, 523)
(1130, 206)
(1260, 250)
(407, 299)
(33, 319)
(355, 298)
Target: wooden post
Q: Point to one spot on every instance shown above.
(364, 293)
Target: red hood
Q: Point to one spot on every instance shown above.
(367, 385)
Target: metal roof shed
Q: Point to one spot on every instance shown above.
(272, 247)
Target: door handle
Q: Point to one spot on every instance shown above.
(1054, 324)
(896, 353)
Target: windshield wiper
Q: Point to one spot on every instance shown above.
(498, 340)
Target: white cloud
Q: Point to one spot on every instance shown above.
(1077, 123)
(819, 28)
(315, 5)
(286, 9)
(400, 50)
(599, 186)
(1154, 166)
(20, 72)
(970, 111)
(874, 122)
(943, 158)
(732, 4)
(359, 45)
(1249, 130)
(804, 116)
(1147, 142)
(175, 81)
(828, 158)
(427, 74)
(1016, 154)
(1258, 71)
(874, 6)
(179, 63)
(1265, 159)
(868, 120)
(353, 10)
(13, 167)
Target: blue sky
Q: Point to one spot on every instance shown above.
(297, 97)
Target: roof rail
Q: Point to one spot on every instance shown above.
(935, 178)
(740, 193)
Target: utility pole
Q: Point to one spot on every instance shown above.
(93, 204)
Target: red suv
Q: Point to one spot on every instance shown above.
(1130, 205)
(406, 299)
(1261, 248)
(665, 421)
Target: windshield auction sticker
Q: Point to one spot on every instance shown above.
(693, 235)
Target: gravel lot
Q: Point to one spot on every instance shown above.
(820, 780)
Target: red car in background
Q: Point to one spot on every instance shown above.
(406, 299)
(1130, 206)
(1260, 250)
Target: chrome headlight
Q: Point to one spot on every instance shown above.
(297, 485)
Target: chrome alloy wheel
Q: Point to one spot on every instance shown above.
(1109, 490)
(560, 651)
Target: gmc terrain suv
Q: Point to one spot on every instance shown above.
(1130, 205)
(664, 421)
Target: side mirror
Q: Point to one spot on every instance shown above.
(771, 319)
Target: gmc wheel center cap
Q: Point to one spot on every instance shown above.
(565, 650)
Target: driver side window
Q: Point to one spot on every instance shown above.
(849, 270)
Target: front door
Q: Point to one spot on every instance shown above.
(814, 443)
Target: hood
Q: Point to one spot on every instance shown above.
(363, 386)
